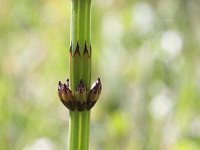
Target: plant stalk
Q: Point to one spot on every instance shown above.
(80, 69)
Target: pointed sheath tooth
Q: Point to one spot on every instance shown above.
(77, 50)
(70, 50)
(85, 52)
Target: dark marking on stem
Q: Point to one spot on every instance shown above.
(86, 52)
(70, 50)
(77, 50)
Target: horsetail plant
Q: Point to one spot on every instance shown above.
(80, 98)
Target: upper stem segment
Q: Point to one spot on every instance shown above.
(80, 62)
(80, 22)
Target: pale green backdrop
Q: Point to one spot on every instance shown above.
(147, 54)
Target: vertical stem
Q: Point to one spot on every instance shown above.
(80, 69)
(79, 130)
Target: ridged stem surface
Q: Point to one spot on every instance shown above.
(80, 69)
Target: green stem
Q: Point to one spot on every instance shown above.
(80, 69)
(80, 22)
(79, 130)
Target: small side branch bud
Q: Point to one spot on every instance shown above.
(94, 93)
(65, 95)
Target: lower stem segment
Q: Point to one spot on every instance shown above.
(79, 130)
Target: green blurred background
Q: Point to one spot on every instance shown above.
(147, 54)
